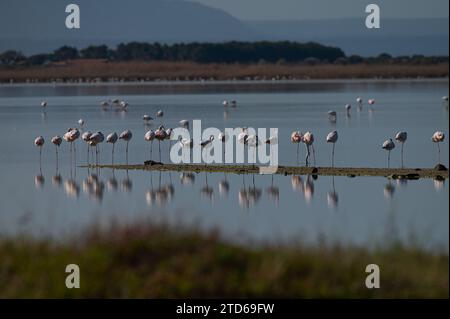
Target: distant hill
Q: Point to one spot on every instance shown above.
(38, 26)
(396, 36)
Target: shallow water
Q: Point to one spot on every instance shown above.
(364, 210)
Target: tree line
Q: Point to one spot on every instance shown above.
(227, 52)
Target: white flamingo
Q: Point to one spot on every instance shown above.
(332, 116)
(389, 145)
(39, 142)
(149, 137)
(332, 137)
(56, 140)
(94, 141)
(308, 139)
(438, 137)
(43, 103)
(253, 142)
(71, 136)
(401, 137)
(81, 122)
(348, 107)
(160, 135)
(160, 113)
(296, 138)
(85, 137)
(207, 143)
(147, 118)
(112, 139)
(126, 136)
(223, 137)
(359, 100)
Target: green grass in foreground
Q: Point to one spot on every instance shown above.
(144, 261)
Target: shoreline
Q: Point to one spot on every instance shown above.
(227, 82)
(392, 173)
(95, 71)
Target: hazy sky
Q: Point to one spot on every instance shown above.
(323, 9)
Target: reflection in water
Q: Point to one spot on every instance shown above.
(94, 187)
(187, 178)
(207, 191)
(127, 184)
(112, 183)
(332, 197)
(308, 189)
(439, 183)
(297, 183)
(389, 190)
(273, 192)
(39, 181)
(71, 188)
(224, 186)
(249, 196)
(57, 180)
(162, 195)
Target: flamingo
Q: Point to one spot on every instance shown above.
(225, 103)
(348, 107)
(169, 133)
(160, 113)
(112, 138)
(233, 103)
(272, 140)
(44, 104)
(242, 137)
(95, 140)
(81, 122)
(71, 136)
(39, 142)
(147, 118)
(296, 138)
(371, 101)
(445, 98)
(253, 141)
(160, 135)
(359, 100)
(126, 136)
(85, 137)
(332, 137)
(149, 137)
(401, 138)
(438, 137)
(207, 143)
(184, 123)
(389, 145)
(308, 139)
(56, 140)
(223, 137)
(332, 116)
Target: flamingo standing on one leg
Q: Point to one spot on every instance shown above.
(359, 100)
(332, 137)
(160, 135)
(126, 136)
(56, 140)
(401, 138)
(207, 143)
(85, 137)
(223, 137)
(348, 107)
(438, 137)
(308, 139)
(149, 137)
(95, 140)
(389, 145)
(39, 142)
(296, 138)
(112, 138)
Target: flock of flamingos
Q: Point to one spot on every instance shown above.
(162, 134)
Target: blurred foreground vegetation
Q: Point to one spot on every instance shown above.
(145, 261)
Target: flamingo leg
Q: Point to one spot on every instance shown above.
(332, 156)
(389, 159)
(126, 151)
(314, 154)
(402, 153)
(159, 147)
(439, 153)
(112, 154)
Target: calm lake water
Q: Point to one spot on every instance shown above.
(362, 211)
